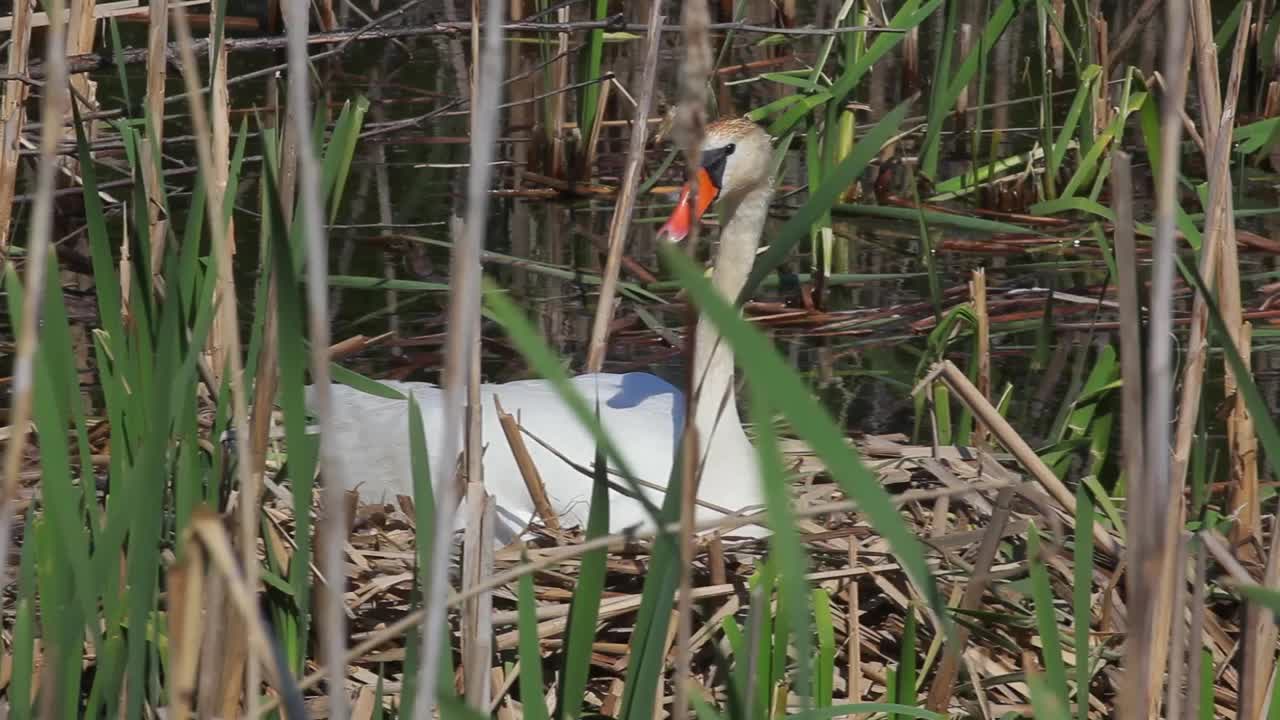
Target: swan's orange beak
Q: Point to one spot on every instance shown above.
(685, 214)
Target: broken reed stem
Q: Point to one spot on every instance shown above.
(13, 113)
(1004, 433)
(528, 470)
(1150, 547)
(54, 105)
(621, 220)
(157, 67)
(464, 321)
(689, 131)
(225, 305)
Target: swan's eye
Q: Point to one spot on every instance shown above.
(728, 149)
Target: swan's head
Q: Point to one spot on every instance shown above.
(736, 157)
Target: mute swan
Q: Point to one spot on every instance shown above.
(642, 413)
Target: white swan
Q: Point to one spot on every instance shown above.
(641, 412)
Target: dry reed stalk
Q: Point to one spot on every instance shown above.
(12, 113)
(978, 296)
(911, 62)
(1056, 45)
(1195, 636)
(1260, 627)
(209, 690)
(944, 679)
(621, 220)
(464, 320)
(1257, 641)
(1243, 451)
(206, 527)
(1178, 645)
(853, 621)
(40, 238)
(186, 595)
(1219, 237)
(1137, 24)
(689, 130)
(560, 73)
(157, 222)
(80, 41)
(528, 470)
(216, 190)
(157, 40)
(1130, 314)
(477, 612)
(226, 309)
(1150, 533)
(264, 386)
(475, 670)
(1006, 435)
(591, 139)
(1218, 113)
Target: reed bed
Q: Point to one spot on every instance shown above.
(1075, 515)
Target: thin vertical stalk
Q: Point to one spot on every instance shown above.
(40, 238)
(333, 621)
(464, 319)
(1177, 653)
(157, 66)
(12, 113)
(853, 622)
(621, 220)
(690, 127)
(216, 180)
(225, 302)
(1130, 316)
(978, 295)
(1195, 636)
(1218, 246)
(1149, 549)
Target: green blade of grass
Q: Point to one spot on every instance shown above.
(1046, 621)
(23, 647)
(826, 670)
(532, 703)
(585, 606)
(1082, 597)
(907, 659)
(785, 548)
(933, 217)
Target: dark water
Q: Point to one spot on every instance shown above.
(403, 187)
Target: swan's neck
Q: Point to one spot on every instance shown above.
(712, 358)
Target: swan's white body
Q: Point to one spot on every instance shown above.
(642, 413)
